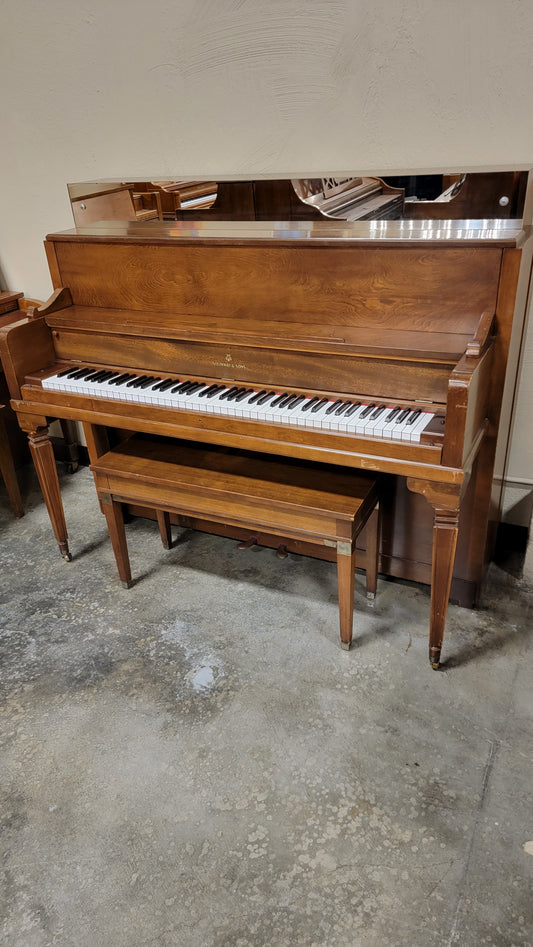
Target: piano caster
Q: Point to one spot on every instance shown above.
(127, 585)
(282, 552)
(346, 645)
(370, 596)
(246, 543)
(434, 658)
(65, 554)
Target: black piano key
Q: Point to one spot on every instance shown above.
(86, 373)
(233, 395)
(211, 389)
(182, 387)
(122, 379)
(277, 401)
(267, 397)
(194, 388)
(107, 376)
(68, 372)
(392, 415)
(97, 376)
(333, 407)
(244, 394)
(149, 382)
(298, 400)
(79, 372)
(353, 409)
(257, 395)
(229, 391)
(367, 411)
(416, 414)
(165, 384)
(344, 407)
(404, 414)
(377, 412)
(318, 406)
(135, 381)
(310, 404)
(286, 400)
(217, 390)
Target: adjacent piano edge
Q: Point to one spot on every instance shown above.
(383, 315)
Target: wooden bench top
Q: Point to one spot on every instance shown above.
(220, 480)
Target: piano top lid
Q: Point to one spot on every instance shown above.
(501, 233)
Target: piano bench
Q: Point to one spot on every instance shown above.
(320, 508)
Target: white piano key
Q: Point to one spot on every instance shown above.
(420, 425)
(218, 404)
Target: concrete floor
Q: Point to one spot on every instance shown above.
(196, 762)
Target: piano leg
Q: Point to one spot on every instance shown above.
(445, 531)
(445, 500)
(43, 457)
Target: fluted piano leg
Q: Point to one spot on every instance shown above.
(43, 457)
(445, 500)
(445, 529)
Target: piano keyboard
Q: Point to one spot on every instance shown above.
(368, 418)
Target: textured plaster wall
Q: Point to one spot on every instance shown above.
(244, 87)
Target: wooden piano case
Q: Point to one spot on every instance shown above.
(393, 313)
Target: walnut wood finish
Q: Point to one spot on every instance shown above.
(402, 312)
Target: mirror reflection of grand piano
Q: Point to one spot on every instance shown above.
(355, 198)
(498, 195)
(485, 195)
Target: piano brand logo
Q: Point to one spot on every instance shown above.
(229, 361)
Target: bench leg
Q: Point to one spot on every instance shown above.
(163, 518)
(346, 586)
(373, 530)
(117, 535)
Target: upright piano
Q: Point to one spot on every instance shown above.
(394, 333)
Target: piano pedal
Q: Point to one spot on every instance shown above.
(246, 543)
(282, 552)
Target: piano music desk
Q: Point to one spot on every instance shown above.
(321, 507)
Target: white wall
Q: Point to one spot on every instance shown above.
(171, 88)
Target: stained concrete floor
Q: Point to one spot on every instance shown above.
(196, 762)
